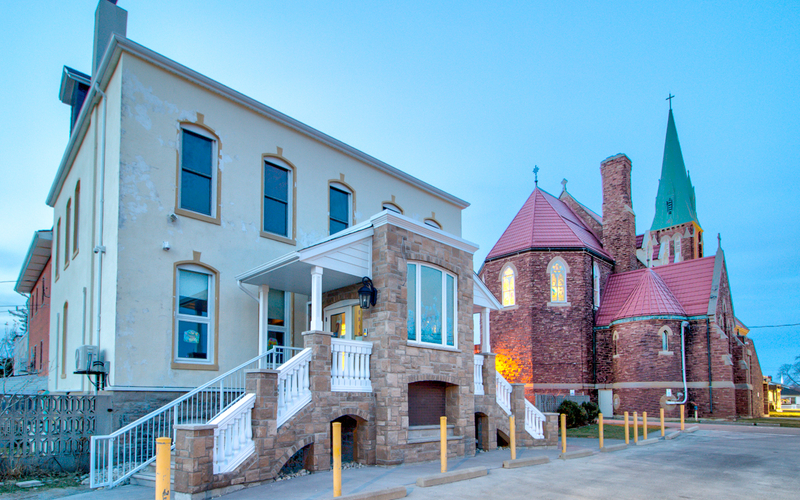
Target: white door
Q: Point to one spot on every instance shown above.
(343, 319)
(605, 398)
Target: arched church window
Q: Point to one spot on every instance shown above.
(596, 284)
(615, 344)
(509, 296)
(558, 280)
(678, 249)
(664, 334)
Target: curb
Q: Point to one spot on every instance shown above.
(613, 447)
(451, 477)
(645, 442)
(386, 494)
(672, 435)
(693, 428)
(576, 454)
(524, 462)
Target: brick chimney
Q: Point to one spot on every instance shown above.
(108, 19)
(619, 221)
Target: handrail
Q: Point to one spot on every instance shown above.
(294, 390)
(233, 435)
(503, 394)
(116, 456)
(534, 421)
(350, 366)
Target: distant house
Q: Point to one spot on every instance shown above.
(790, 398)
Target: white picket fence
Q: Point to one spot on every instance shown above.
(233, 435)
(350, 366)
(477, 377)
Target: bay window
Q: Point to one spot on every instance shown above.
(432, 309)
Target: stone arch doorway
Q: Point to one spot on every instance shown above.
(482, 431)
(354, 439)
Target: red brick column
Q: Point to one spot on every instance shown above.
(194, 455)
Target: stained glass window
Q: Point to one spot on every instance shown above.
(558, 285)
(509, 298)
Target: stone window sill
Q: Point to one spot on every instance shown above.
(558, 304)
(616, 356)
(666, 353)
(510, 308)
(423, 345)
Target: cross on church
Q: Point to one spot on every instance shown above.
(670, 99)
(536, 175)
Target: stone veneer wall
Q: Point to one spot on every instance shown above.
(401, 363)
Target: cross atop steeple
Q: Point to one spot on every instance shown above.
(536, 175)
(563, 184)
(670, 98)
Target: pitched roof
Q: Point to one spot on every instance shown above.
(675, 202)
(651, 296)
(544, 221)
(688, 282)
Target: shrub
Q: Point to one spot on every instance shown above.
(592, 411)
(576, 416)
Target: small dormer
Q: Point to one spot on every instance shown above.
(74, 87)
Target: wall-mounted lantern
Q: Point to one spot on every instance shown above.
(367, 294)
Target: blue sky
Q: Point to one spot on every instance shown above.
(469, 96)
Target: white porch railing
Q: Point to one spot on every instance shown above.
(503, 394)
(117, 456)
(478, 375)
(293, 386)
(350, 366)
(534, 421)
(233, 435)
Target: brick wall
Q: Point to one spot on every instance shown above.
(39, 322)
(619, 223)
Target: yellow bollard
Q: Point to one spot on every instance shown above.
(681, 418)
(163, 458)
(337, 459)
(443, 442)
(635, 427)
(627, 431)
(563, 433)
(512, 425)
(661, 412)
(644, 424)
(600, 421)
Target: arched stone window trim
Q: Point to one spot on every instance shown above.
(664, 335)
(338, 220)
(280, 162)
(508, 285)
(212, 321)
(677, 248)
(202, 131)
(557, 272)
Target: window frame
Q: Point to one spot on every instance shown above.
(291, 206)
(596, 284)
(508, 268)
(391, 206)
(215, 190)
(58, 248)
(550, 273)
(343, 188)
(417, 340)
(432, 223)
(67, 229)
(212, 320)
(76, 218)
(663, 336)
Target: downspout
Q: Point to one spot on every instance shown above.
(100, 249)
(684, 324)
(708, 348)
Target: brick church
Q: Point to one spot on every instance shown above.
(637, 322)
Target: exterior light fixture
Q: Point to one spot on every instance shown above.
(367, 294)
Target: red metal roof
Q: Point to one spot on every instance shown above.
(544, 221)
(688, 282)
(651, 296)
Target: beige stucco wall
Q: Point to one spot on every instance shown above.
(146, 106)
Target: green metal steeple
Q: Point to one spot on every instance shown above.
(675, 203)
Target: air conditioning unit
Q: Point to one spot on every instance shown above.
(87, 358)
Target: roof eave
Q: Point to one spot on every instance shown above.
(591, 251)
(41, 239)
(119, 44)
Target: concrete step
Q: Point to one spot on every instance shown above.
(147, 476)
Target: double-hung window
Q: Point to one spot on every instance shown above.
(432, 309)
(340, 208)
(277, 206)
(197, 173)
(194, 315)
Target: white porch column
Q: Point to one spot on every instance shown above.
(263, 323)
(316, 299)
(486, 344)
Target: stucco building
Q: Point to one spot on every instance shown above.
(638, 322)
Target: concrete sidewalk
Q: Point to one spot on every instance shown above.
(319, 485)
